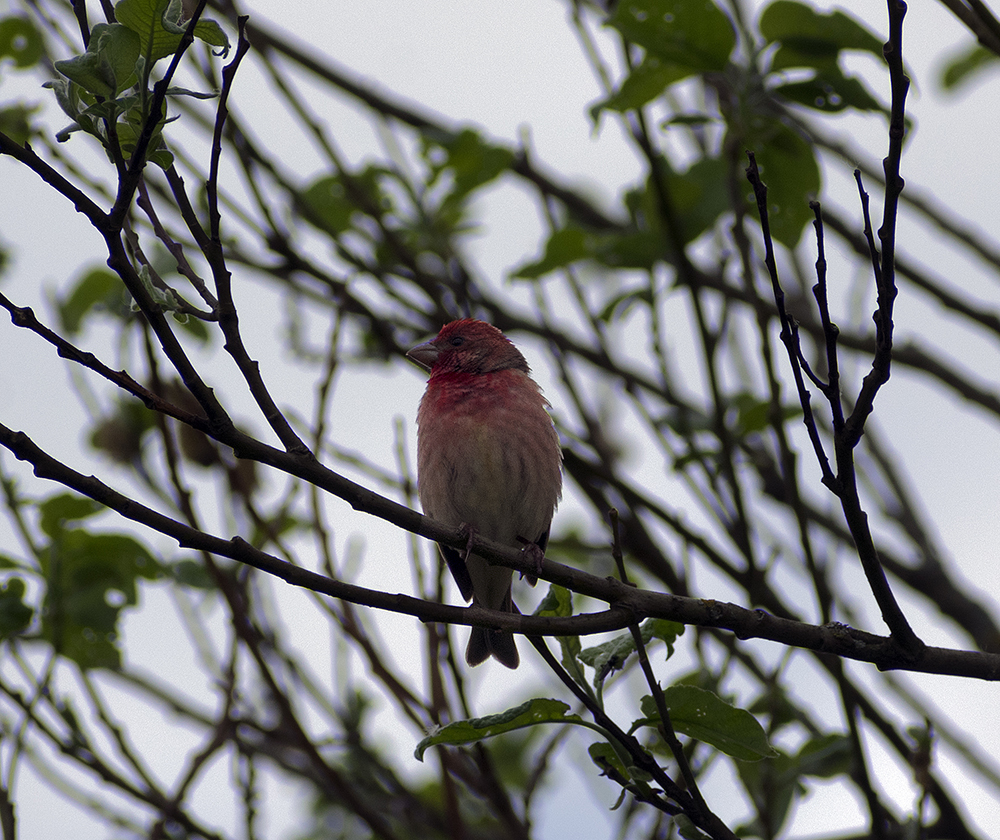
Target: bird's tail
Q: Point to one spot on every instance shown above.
(485, 643)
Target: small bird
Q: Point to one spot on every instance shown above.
(488, 460)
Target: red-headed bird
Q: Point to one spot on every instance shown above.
(488, 459)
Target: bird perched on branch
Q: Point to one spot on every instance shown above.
(488, 460)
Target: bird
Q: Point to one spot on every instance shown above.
(488, 461)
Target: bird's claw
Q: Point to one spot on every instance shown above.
(532, 553)
(470, 532)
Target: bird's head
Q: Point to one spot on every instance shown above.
(468, 346)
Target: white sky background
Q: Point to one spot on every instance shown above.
(504, 67)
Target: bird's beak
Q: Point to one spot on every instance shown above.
(424, 355)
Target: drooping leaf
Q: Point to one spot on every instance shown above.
(557, 603)
(92, 72)
(194, 94)
(621, 303)
(825, 756)
(628, 249)
(8, 562)
(531, 713)
(688, 830)
(705, 716)
(119, 434)
(753, 413)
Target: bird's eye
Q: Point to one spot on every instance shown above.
(457, 341)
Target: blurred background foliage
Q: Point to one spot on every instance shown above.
(651, 322)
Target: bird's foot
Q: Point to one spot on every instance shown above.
(532, 553)
(470, 532)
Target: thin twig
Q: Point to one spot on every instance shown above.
(666, 727)
(788, 328)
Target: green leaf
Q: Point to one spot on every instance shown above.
(615, 764)
(90, 579)
(775, 783)
(753, 413)
(531, 713)
(108, 65)
(474, 162)
(967, 64)
(629, 249)
(119, 434)
(57, 510)
(160, 28)
(326, 205)
(558, 603)
(812, 39)
(611, 656)
(564, 247)
(692, 34)
(129, 131)
(645, 83)
(191, 573)
(690, 119)
(698, 196)
(97, 290)
(688, 830)
(164, 159)
(607, 759)
(826, 756)
(705, 716)
(8, 562)
(91, 71)
(15, 615)
(789, 169)
(15, 122)
(195, 94)
(20, 41)
(831, 91)
(620, 304)
(119, 45)
(67, 96)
